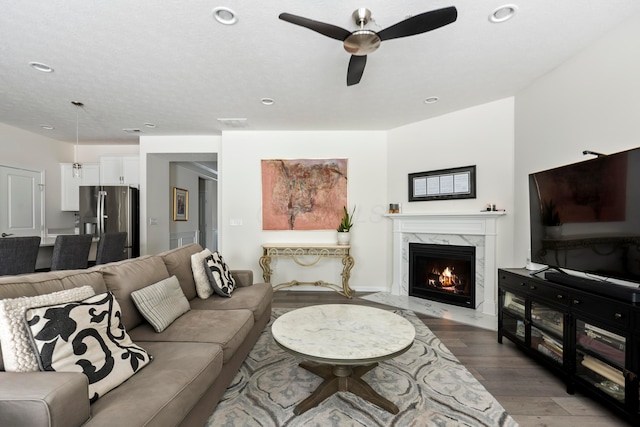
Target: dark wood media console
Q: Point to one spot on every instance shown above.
(587, 333)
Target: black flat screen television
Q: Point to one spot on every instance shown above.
(585, 216)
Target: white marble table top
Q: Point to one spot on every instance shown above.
(344, 334)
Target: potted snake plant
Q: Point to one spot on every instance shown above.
(345, 226)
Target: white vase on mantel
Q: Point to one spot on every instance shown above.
(343, 238)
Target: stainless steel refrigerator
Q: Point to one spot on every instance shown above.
(110, 209)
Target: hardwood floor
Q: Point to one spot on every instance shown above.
(532, 395)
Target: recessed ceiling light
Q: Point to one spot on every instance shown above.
(132, 130)
(47, 127)
(150, 125)
(267, 101)
(41, 67)
(224, 15)
(431, 100)
(503, 13)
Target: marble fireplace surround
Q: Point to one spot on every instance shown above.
(477, 229)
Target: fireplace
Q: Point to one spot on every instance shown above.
(444, 273)
(476, 229)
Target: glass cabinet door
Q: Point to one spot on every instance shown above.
(547, 331)
(600, 359)
(513, 315)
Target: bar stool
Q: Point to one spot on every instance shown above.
(18, 255)
(111, 247)
(71, 252)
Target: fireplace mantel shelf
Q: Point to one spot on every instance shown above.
(479, 214)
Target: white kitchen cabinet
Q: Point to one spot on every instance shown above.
(120, 170)
(70, 186)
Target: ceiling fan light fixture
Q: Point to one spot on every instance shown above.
(41, 67)
(224, 15)
(431, 100)
(503, 13)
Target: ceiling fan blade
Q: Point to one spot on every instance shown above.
(420, 23)
(317, 26)
(356, 68)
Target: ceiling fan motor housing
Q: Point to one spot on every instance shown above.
(362, 42)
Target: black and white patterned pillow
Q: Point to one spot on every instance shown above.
(88, 337)
(219, 275)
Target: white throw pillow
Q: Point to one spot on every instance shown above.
(17, 353)
(203, 287)
(219, 275)
(161, 303)
(88, 337)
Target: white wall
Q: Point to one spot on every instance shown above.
(241, 198)
(28, 150)
(481, 136)
(588, 103)
(91, 153)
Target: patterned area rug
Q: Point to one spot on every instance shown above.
(427, 383)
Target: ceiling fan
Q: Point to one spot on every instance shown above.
(362, 42)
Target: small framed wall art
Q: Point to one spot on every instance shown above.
(180, 204)
(443, 184)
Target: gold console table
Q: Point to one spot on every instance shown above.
(307, 255)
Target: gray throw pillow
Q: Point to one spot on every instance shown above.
(87, 337)
(161, 303)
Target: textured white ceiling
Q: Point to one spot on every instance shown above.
(170, 63)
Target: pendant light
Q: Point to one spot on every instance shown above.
(77, 167)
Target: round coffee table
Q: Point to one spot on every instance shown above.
(340, 343)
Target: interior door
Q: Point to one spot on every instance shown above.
(21, 201)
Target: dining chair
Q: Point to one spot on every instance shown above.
(111, 247)
(18, 255)
(71, 252)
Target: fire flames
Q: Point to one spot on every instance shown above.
(445, 278)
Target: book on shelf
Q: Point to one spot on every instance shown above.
(604, 370)
(552, 343)
(515, 303)
(604, 336)
(550, 353)
(608, 352)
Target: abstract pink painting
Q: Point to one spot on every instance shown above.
(303, 194)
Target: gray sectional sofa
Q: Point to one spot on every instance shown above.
(194, 359)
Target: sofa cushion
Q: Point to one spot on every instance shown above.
(161, 303)
(43, 399)
(18, 354)
(229, 328)
(88, 337)
(178, 262)
(126, 276)
(164, 392)
(200, 276)
(219, 274)
(256, 298)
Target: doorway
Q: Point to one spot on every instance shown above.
(198, 179)
(21, 202)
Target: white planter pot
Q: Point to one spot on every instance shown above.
(343, 237)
